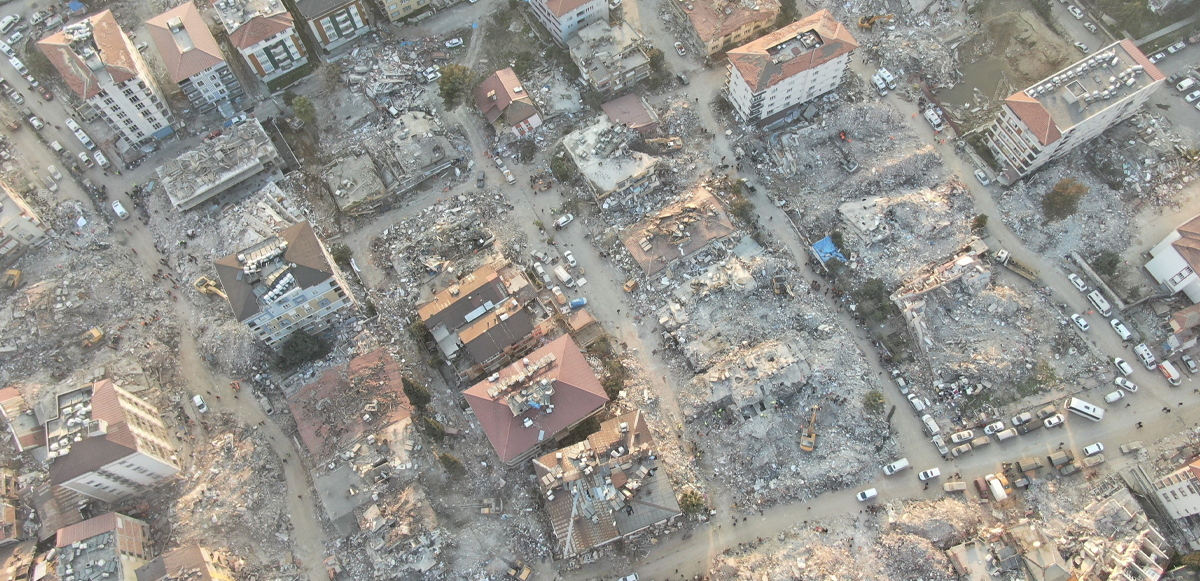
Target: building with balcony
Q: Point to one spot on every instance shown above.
(611, 58)
(1179, 491)
(283, 284)
(1070, 107)
(1176, 259)
(20, 227)
(110, 546)
(193, 59)
(100, 64)
(715, 25)
(264, 33)
(397, 10)
(788, 67)
(335, 23)
(564, 17)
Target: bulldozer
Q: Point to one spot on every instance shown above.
(209, 287)
(868, 21)
(808, 440)
(91, 337)
(12, 278)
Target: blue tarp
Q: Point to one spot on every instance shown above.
(826, 249)
(76, 7)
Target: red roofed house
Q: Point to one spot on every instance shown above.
(788, 67)
(265, 35)
(110, 546)
(100, 64)
(718, 24)
(506, 104)
(564, 17)
(1070, 107)
(107, 443)
(192, 57)
(536, 399)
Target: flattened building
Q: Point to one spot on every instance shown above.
(611, 58)
(714, 25)
(600, 151)
(678, 231)
(220, 163)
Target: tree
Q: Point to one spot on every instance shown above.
(1063, 200)
(331, 76)
(452, 464)
(418, 395)
(433, 428)
(1191, 560)
(1106, 263)
(692, 502)
(742, 209)
(455, 83)
(979, 223)
(301, 348)
(562, 169)
(873, 401)
(304, 109)
(341, 254)
(657, 59)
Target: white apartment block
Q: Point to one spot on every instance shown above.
(335, 23)
(106, 443)
(564, 17)
(193, 58)
(1070, 107)
(264, 34)
(399, 9)
(98, 61)
(793, 65)
(1179, 491)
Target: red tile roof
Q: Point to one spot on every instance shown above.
(562, 7)
(184, 61)
(496, 94)
(260, 28)
(86, 529)
(1140, 58)
(762, 69)
(711, 21)
(98, 451)
(116, 53)
(577, 395)
(1034, 115)
(631, 111)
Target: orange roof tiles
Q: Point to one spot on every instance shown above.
(563, 7)
(712, 22)
(500, 92)
(260, 28)
(110, 42)
(199, 50)
(1034, 115)
(762, 67)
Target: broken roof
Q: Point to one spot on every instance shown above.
(53, 512)
(502, 94)
(184, 41)
(535, 399)
(800, 46)
(678, 231)
(296, 250)
(601, 153)
(714, 19)
(22, 424)
(460, 303)
(497, 331)
(1188, 244)
(633, 112)
(219, 163)
(1068, 97)
(190, 563)
(93, 46)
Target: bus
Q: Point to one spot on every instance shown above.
(1100, 303)
(1085, 409)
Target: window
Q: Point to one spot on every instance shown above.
(1178, 278)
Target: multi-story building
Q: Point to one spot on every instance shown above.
(213, 167)
(601, 154)
(400, 9)
(284, 284)
(1176, 260)
(335, 23)
(715, 25)
(788, 67)
(101, 65)
(1070, 107)
(106, 443)
(506, 104)
(611, 58)
(192, 562)
(563, 17)
(193, 59)
(110, 546)
(264, 33)
(20, 228)
(1179, 491)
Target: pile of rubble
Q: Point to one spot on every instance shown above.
(944, 523)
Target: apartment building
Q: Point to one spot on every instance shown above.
(264, 33)
(106, 443)
(399, 9)
(335, 23)
(715, 25)
(564, 17)
(219, 164)
(1179, 491)
(110, 546)
(1176, 260)
(1062, 111)
(788, 67)
(193, 59)
(100, 64)
(611, 58)
(283, 284)
(602, 156)
(20, 227)
(190, 563)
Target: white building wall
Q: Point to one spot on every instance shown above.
(562, 27)
(123, 478)
(209, 84)
(798, 88)
(1182, 499)
(132, 108)
(299, 309)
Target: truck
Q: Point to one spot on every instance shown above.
(564, 276)
(1060, 458)
(1003, 257)
(996, 487)
(1028, 464)
(956, 486)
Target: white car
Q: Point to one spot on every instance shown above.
(941, 445)
(963, 436)
(1022, 419)
(1114, 396)
(562, 222)
(83, 158)
(1126, 385)
(1053, 421)
(1190, 97)
(867, 494)
(982, 177)
(1078, 282)
(930, 474)
(993, 427)
(1121, 329)
(199, 403)
(15, 38)
(1093, 449)
(4, 48)
(1082, 47)
(1075, 11)
(1079, 322)
(1123, 366)
(1091, 27)
(36, 123)
(121, 213)
(54, 173)
(1158, 57)
(679, 49)
(1174, 48)
(570, 258)
(454, 43)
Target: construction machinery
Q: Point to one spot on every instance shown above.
(520, 571)
(868, 21)
(808, 440)
(12, 278)
(209, 287)
(91, 337)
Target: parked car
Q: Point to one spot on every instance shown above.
(1091, 27)
(1191, 97)
(679, 49)
(1174, 48)
(963, 436)
(1079, 322)
(1046, 412)
(54, 173)
(1121, 329)
(940, 444)
(16, 97)
(36, 123)
(562, 221)
(46, 94)
(578, 303)
(236, 120)
(1126, 385)
(454, 43)
(199, 403)
(929, 474)
(982, 177)
(960, 450)
(1093, 449)
(480, 178)
(16, 37)
(7, 49)
(993, 427)
(85, 160)
(867, 494)
(570, 257)
(1078, 282)
(1114, 396)
(100, 159)
(1022, 419)
(1082, 47)
(1075, 11)
(121, 213)
(1123, 366)
(1054, 420)
(1158, 56)
(1189, 363)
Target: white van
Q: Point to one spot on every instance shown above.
(1168, 370)
(72, 125)
(930, 425)
(1084, 409)
(996, 488)
(934, 119)
(896, 466)
(17, 64)
(1186, 84)
(918, 405)
(887, 77)
(880, 85)
(1100, 303)
(100, 159)
(1145, 356)
(9, 22)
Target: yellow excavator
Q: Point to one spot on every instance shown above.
(868, 21)
(12, 278)
(209, 287)
(808, 440)
(91, 337)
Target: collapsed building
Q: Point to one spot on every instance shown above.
(239, 153)
(606, 487)
(611, 58)
(394, 162)
(283, 284)
(713, 25)
(111, 545)
(536, 400)
(632, 111)
(20, 227)
(192, 562)
(601, 153)
(678, 231)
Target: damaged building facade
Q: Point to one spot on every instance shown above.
(283, 284)
(788, 67)
(110, 546)
(601, 153)
(100, 64)
(1176, 258)
(212, 168)
(1069, 108)
(713, 25)
(264, 34)
(194, 60)
(20, 228)
(678, 231)
(611, 58)
(563, 17)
